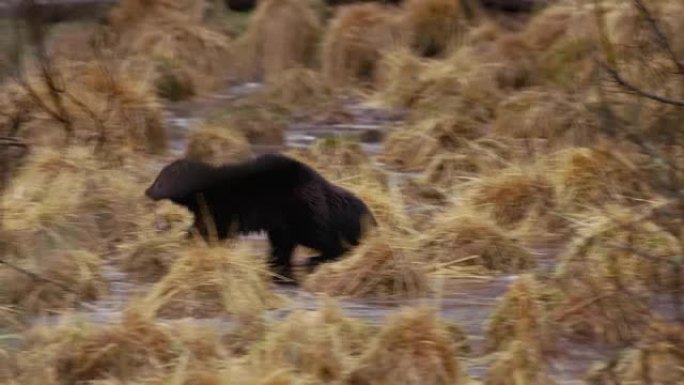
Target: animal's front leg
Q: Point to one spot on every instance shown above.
(281, 254)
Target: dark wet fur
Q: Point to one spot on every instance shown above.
(287, 199)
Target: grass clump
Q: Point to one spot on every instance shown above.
(544, 115)
(459, 239)
(171, 43)
(207, 281)
(412, 147)
(639, 254)
(100, 106)
(316, 345)
(67, 279)
(603, 284)
(299, 90)
(355, 41)
(434, 24)
(518, 200)
(128, 351)
(586, 176)
(381, 267)
(520, 317)
(656, 359)
(217, 145)
(259, 124)
(413, 347)
(147, 253)
(282, 34)
(518, 365)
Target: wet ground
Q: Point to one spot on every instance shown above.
(467, 302)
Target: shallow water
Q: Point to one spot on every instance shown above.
(467, 302)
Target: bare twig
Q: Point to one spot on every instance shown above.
(662, 38)
(638, 91)
(40, 278)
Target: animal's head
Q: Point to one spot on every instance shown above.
(179, 180)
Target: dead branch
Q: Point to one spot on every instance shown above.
(615, 75)
(662, 38)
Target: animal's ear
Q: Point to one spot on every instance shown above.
(180, 180)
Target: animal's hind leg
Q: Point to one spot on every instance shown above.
(329, 255)
(281, 253)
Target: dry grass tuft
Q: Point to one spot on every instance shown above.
(605, 278)
(67, 200)
(125, 352)
(282, 34)
(654, 360)
(412, 147)
(299, 90)
(458, 238)
(398, 77)
(518, 365)
(207, 281)
(168, 41)
(103, 106)
(260, 124)
(129, 12)
(343, 161)
(594, 176)
(316, 345)
(217, 145)
(355, 41)
(517, 199)
(434, 25)
(639, 254)
(414, 347)
(520, 316)
(73, 277)
(148, 252)
(545, 115)
(383, 266)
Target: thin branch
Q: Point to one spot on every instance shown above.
(662, 37)
(40, 278)
(636, 90)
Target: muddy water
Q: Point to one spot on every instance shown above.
(467, 302)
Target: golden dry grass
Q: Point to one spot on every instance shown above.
(605, 280)
(554, 117)
(382, 266)
(655, 359)
(208, 281)
(521, 200)
(147, 253)
(101, 104)
(282, 34)
(127, 351)
(260, 123)
(316, 345)
(413, 146)
(398, 76)
(586, 176)
(638, 254)
(299, 90)
(133, 11)
(518, 365)
(355, 41)
(520, 316)
(458, 238)
(434, 25)
(74, 276)
(460, 85)
(168, 43)
(413, 347)
(217, 145)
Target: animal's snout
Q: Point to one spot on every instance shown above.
(149, 193)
